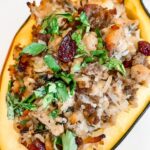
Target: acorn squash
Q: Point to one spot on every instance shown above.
(125, 120)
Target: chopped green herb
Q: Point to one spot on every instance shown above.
(100, 40)
(77, 37)
(62, 91)
(54, 113)
(48, 99)
(57, 141)
(40, 92)
(68, 141)
(50, 25)
(65, 77)
(69, 80)
(113, 63)
(84, 20)
(40, 128)
(22, 89)
(51, 63)
(24, 122)
(10, 106)
(34, 49)
(51, 88)
(67, 16)
(16, 107)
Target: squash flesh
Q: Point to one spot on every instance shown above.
(114, 133)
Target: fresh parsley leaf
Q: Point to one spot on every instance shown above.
(99, 53)
(50, 25)
(100, 40)
(51, 63)
(29, 99)
(27, 106)
(51, 87)
(84, 20)
(87, 60)
(77, 37)
(102, 55)
(62, 91)
(113, 63)
(40, 128)
(69, 80)
(16, 107)
(67, 16)
(40, 92)
(54, 113)
(57, 141)
(24, 122)
(68, 141)
(10, 106)
(34, 49)
(48, 99)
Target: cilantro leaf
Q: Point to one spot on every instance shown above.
(34, 49)
(51, 63)
(54, 113)
(68, 141)
(62, 92)
(113, 63)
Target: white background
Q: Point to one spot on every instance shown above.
(12, 14)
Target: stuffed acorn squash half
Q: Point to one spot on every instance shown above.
(77, 76)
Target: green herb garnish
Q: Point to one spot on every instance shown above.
(50, 25)
(62, 92)
(16, 107)
(67, 16)
(51, 63)
(115, 64)
(48, 99)
(54, 113)
(34, 49)
(100, 40)
(68, 141)
(40, 92)
(77, 37)
(69, 80)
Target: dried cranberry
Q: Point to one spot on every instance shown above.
(79, 140)
(127, 64)
(144, 47)
(37, 145)
(67, 49)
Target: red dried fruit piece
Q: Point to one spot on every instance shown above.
(67, 49)
(37, 145)
(144, 47)
(127, 64)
